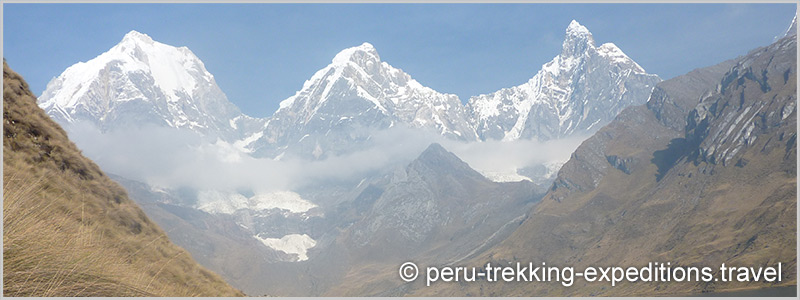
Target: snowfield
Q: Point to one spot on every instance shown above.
(291, 244)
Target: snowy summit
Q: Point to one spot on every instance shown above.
(578, 91)
(358, 91)
(140, 81)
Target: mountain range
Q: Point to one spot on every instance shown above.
(140, 81)
(666, 162)
(704, 173)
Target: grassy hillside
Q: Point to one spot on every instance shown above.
(68, 230)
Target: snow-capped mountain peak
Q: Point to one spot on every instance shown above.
(360, 55)
(361, 59)
(616, 56)
(141, 81)
(577, 39)
(356, 93)
(175, 69)
(576, 29)
(134, 36)
(578, 91)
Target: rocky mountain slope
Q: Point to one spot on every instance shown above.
(578, 92)
(432, 199)
(437, 210)
(68, 230)
(703, 174)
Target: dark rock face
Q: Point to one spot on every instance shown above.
(622, 164)
(663, 116)
(749, 102)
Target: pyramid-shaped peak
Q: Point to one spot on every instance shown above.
(576, 29)
(577, 40)
(435, 149)
(366, 47)
(435, 154)
(136, 36)
(443, 163)
(358, 54)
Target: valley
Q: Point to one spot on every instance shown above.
(592, 161)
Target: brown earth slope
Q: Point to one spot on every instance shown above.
(68, 230)
(703, 174)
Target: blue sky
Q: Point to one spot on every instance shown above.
(262, 53)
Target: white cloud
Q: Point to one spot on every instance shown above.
(167, 157)
(505, 156)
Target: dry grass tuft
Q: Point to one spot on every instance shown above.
(47, 253)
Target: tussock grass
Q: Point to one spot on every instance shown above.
(46, 253)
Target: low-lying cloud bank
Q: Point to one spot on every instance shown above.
(172, 158)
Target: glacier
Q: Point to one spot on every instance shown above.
(297, 244)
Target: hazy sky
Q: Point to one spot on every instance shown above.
(262, 53)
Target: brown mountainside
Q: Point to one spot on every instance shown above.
(68, 230)
(703, 174)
